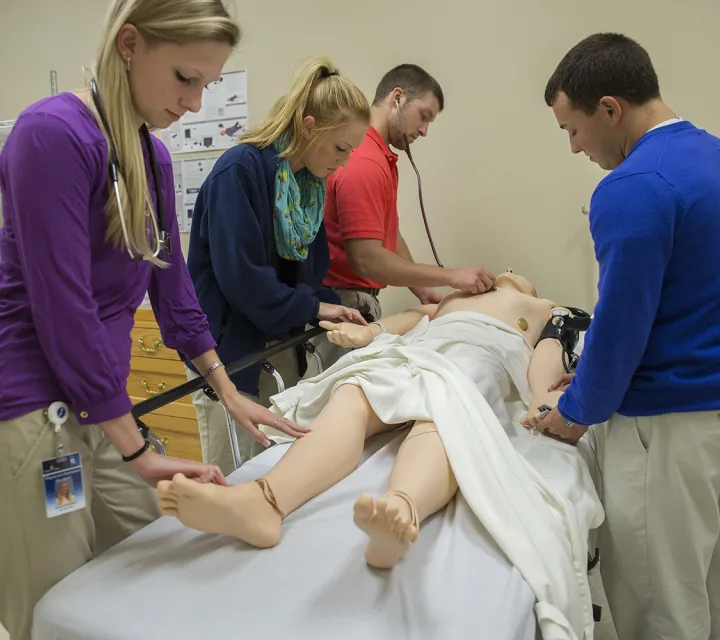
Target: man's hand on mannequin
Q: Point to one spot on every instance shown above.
(554, 425)
(427, 295)
(474, 279)
(369, 259)
(533, 417)
(562, 383)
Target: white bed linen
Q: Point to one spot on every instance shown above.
(535, 495)
(168, 582)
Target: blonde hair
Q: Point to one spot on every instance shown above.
(318, 90)
(158, 21)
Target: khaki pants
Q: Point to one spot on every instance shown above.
(360, 300)
(37, 552)
(660, 561)
(212, 423)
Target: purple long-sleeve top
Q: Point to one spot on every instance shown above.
(67, 296)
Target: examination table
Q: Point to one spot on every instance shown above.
(168, 582)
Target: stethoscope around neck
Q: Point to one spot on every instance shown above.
(419, 182)
(162, 238)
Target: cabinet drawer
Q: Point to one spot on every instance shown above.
(179, 435)
(158, 365)
(144, 384)
(172, 410)
(147, 343)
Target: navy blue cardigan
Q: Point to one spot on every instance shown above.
(249, 294)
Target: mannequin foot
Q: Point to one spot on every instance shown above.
(240, 510)
(391, 522)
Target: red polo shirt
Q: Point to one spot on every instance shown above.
(361, 203)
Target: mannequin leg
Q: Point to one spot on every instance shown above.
(253, 511)
(421, 482)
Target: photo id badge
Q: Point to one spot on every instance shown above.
(63, 482)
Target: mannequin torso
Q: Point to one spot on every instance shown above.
(521, 311)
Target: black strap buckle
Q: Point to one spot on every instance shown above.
(593, 560)
(210, 393)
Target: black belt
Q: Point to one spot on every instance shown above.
(373, 292)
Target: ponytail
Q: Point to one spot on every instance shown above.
(317, 90)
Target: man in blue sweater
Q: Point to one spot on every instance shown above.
(650, 366)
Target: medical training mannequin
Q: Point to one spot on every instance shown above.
(421, 481)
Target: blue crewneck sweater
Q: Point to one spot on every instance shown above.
(654, 343)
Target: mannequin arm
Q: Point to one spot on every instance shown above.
(545, 368)
(400, 323)
(352, 336)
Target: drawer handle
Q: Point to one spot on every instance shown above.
(154, 349)
(146, 386)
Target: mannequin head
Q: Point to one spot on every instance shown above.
(511, 280)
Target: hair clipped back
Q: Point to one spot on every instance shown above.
(158, 21)
(317, 90)
(413, 80)
(604, 64)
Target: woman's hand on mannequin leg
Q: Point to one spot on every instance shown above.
(249, 415)
(152, 467)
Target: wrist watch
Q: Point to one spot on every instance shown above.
(567, 422)
(546, 408)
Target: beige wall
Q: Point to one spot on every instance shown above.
(501, 188)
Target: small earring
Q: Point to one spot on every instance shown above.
(127, 65)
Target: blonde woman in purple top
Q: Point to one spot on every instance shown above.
(90, 227)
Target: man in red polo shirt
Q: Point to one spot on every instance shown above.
(367, 251)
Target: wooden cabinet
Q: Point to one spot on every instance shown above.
(153, 369)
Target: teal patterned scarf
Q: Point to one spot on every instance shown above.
(298, 209)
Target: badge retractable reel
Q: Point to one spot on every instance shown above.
(62, 475)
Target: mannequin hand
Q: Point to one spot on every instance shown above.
(348, 335)
(427, 295)
(532, 417)
(475, 280)
(248, 415)
(554, 426)
(339, 313)
(152, 467)
(562, 383)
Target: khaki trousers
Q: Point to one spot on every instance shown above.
(212, 423)
(660, 561)
(37, 552)
(360, 300)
